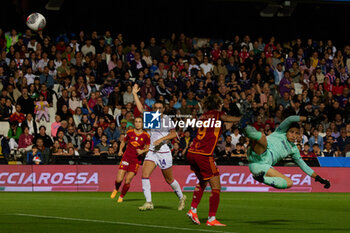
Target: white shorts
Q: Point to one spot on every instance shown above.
(162, 159)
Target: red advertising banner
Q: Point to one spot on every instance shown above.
(100, 178)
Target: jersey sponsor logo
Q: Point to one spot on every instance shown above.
(125, 163)
(135, 144)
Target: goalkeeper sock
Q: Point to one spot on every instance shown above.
(124, 190)
(197, 196)
(146, 187)
(252, 133)
(177, 189)
(214, 202)
(276, 182)
(117, 185)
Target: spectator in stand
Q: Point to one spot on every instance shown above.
(278, 74)
(235, 136)
(17, 116)
(33, 155)
(307, 152)
(112, 132)
(85, 149)
(225, 154)
(72, 137)
(328, 151)
(5, 111)
(42, 109)
(316, 139)
(206, 66)
(185, 141)
(31, 124)
(317, 151)
(103, 145)
(343, 140)
(137, 64)
(46, 78)
(25, 141)
(215, 52)
(259, 124)
(46, 93)
(26, 103)
(13, 135)
(88, 49)
(239, 151)
(286, 83)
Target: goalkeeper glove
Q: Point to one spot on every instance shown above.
(326, 183)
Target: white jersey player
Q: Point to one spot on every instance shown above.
(159, 154)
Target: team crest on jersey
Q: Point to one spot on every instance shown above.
(137, 138)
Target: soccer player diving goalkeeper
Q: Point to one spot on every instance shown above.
(266, 151)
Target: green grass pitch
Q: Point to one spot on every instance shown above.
(242, 212)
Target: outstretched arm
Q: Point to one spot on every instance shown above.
(139, 106)
(230, 118)
(284, 126)
(301, 163)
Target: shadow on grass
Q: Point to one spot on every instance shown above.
(132, 200)
(163, 207)
(273, 222)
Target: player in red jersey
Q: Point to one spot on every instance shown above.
(138, 143)
(200, 157)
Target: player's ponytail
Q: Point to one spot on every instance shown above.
(212, 102)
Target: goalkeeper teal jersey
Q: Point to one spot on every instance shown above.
(278, 147)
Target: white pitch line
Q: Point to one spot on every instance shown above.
(119, 223)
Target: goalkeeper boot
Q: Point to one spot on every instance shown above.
(182, 203)
(146, 206)
(193, 216)
(114, 193)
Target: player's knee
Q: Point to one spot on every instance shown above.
(289, 183)
(169, 180)
(200, 186)
(145, 175)
(216, 186)
(127, 181)
(118, 180)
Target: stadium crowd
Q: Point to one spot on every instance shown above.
(71, 95)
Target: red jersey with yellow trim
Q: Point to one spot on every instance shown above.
(207, 137)
(135, 141)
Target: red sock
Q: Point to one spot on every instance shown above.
(117, 185)
(214, 202)
(124, 190)
(197, 195)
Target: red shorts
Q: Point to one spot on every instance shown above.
(203, 166)
(129, 166)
